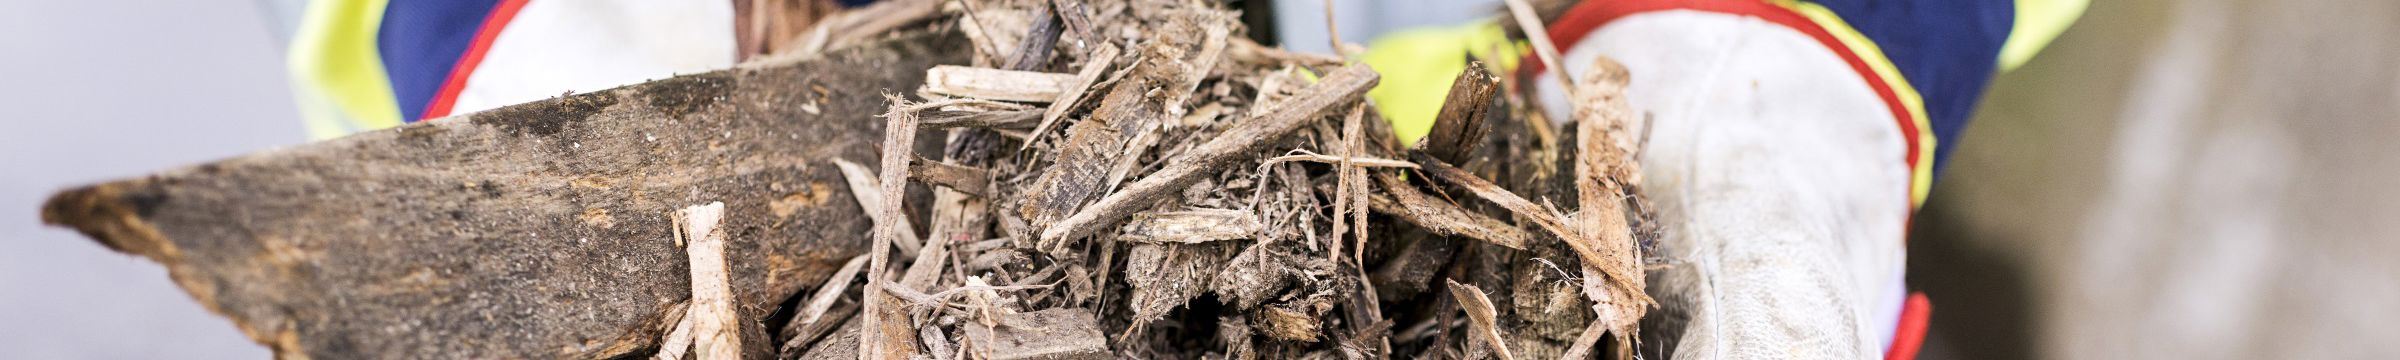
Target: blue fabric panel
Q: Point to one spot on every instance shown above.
(421, 41)
(1948, 49)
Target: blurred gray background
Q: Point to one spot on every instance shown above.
(96, 90)
(2171, 179)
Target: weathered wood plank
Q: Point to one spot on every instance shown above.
(539, 230)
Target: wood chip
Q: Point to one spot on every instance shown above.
(495, 211)
(1443, 217)
(679, 339)
(1054, 334)
(1482, 317)
(867, 191)
(716, 327)
(997, 84)
(827, 294)
(885, 329)
(1541, 217)
(1073, 95)
(1191, 226)
(1461, 125)
(959, 178)
(1602, 166)
(1000, 119)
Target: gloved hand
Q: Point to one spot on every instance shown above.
(1781, 171)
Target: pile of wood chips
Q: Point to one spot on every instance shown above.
(1098, 179)
(1137, 179)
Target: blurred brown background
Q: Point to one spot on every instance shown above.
(2202, 179)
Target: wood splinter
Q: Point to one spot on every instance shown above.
(996, 84)
(715, 327)
(1481, 317)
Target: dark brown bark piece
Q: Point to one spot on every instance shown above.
(1460, 125)
(538, 230)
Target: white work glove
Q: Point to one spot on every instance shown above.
(1781, 182)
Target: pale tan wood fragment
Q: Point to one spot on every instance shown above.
(997, 84)
(716, 328)
(1481, 317)
(885, 333)
(864, 188)
(1191, 226)
(1603, 165)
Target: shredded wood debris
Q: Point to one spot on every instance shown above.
(1139, 179)
(1140, 173)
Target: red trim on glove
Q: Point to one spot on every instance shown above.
(1591, 15)
(474, 56)
(1910, 336)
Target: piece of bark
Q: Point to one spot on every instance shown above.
(1541, 217)
(1093, 68)
(1282, 323)
(1166, 276)
(1443, 217)
(886, 332)
(678, 341)
(1481, 317)
(1329, 94)
(1077, 17)
(831, 291)
(537, 230)
(1460, 125)
(1003, 119)
(802, 336)
(1054, 334)
(716, 323)
(958, 178)
(1258, 273)
(996, 84)
(1191, 226)
(1033, 48)
(1602, 165)
(1411, 270)
(841, 344)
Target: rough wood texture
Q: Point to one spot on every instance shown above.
(1481, 318)
(1460, 126)
(1054, 334)
(1094, 148)
(1251, 135)
(1604, 168)
(538, 230)
(1191, 226)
